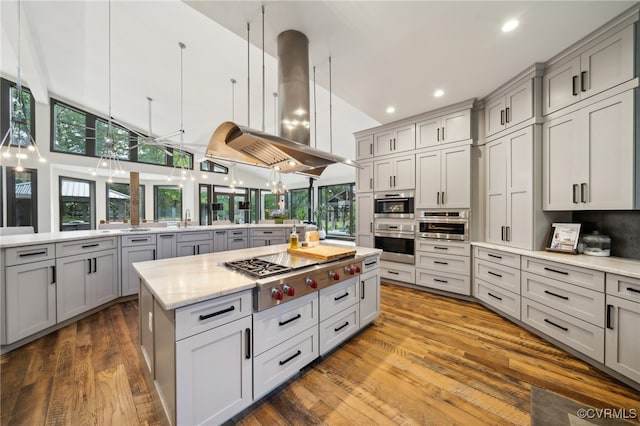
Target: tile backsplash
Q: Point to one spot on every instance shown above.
(622, 226)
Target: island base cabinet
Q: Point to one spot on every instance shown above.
(280, 363)
(369, 297)
(214, 371)
(30, 299)
(622, 341)
(338, 328)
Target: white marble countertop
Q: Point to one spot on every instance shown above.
(55, 237)
(613, 265)
(182, 281)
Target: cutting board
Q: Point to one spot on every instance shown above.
(324, 252)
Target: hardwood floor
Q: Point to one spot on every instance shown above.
(427, 360)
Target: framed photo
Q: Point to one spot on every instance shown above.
(564, 237)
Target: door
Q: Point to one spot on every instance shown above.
(74, 294)
(404, 138)
(428, 133)
(364, 177)
(622, 341)
(560, 85)
(494, 116)
(456, 126)
(105, 277)
(220, 241)
(204, 247)
(405, 173)
(455, 182)
(383, 174)
(369, 297)
(186, 249)
(519, 188)
(236, 243)
(560, 136)
(428, 182)
(383, 143)
(166, 246)
(364, 147)
(130, 280)
(364, 220)
(496, 190)
(520, 104)
(30, 299)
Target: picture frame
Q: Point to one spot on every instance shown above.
(564, 238)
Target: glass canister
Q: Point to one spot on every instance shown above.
(596, 244)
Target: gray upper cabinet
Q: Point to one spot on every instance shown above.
(452, 127)
(398, 139)
(509, 109)
(364, 147)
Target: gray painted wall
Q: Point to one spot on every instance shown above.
(622, 226)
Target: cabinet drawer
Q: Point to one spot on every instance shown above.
(277, 365)
(497, 256)
(236, 233)
(582, 303)
(624, 287)
(498, 298)
(444, 263)
(338, 328)
(338, 297)
(28, 254)
(273, 326)
(188, 236)
(431, 246)
(196, 318)
(370, 263)
(268, 233)
(499, 275)
(138, 240)
(85, 246)
(396, 274)
(583, 277)
(579, 335)
(444, 281)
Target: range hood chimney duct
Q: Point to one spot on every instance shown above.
(290, 152)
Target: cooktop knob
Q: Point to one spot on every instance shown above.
(349, 269)
(277, 294)
(357, 268)
(334, 275)
(311, 282)
(288, 290)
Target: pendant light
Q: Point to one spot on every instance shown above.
(18, 137)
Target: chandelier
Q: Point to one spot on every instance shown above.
(275, 182)
(18, 137)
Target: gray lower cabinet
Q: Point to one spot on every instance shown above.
(85, 281)
(267, 237)
(194, 243)
(166, 245)
(236, 243)
(220, 241)
(369, 296)
(129, 281)
(30, 299)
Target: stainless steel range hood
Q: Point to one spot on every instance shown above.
(291, 153)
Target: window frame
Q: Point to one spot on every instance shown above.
(155, 202)
(92, 201)
(143, 200)
(11, 197)
(5, 99)
(352, 213)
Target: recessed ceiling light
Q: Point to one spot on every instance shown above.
(438, 93)
(391, 109)
(510, 25)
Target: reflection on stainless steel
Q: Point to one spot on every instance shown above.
(444, 225)
(396, 240)
(396, 205)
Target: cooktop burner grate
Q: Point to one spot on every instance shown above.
(258, 267)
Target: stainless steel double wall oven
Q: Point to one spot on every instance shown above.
(395, 226)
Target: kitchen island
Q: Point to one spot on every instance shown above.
(213, 347)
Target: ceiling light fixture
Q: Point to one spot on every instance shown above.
(275, 183)
(391, 109)
(19, 135)
(510, 25)
(438, 93)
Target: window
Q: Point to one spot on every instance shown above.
(69, 129)
(233, 203)
(151, 154)
(210, 166)
(182, 159)
(19, 107)
(269, 203)
(119, 202)
(205, 204)
(77, 204)
(22, 198)
(336, 210)
(120, 141)
(167, 203)
(299, 203)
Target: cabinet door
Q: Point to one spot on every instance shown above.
(404, 138)
(494, 116)
(186, 249)
(456, 126)
(364, 178)
(369, 297)
(405, 173)
(383, 175)
(519, 188)
(166, 246)
(455, 183)
(383, 143)
(213, 374)
(259, 242)
(364, 221)
(428, 133)
(364, 147)
(236, 243)
(559, 139)
(622, 344)
(130, 278)
(74, 294)
(204, 247)
(105, 276)
(220, 241)
(30, 303)
(608, 63)
(609, 153)
(496, 190)
(560, 85)
(519, 102)
(428, 179)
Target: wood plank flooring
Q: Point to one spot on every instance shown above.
(427, 360)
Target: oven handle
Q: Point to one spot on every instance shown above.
(402, 235)
(392, 199)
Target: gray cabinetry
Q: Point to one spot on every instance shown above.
(135, 249)
(369, 291)
(236, 239)
(166, 245)
(497, 280)
(364, 222)
(267, 237)
(194, 243)
(220, 240)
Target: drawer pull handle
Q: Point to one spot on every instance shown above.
(440, 263)
(290, 358)
(139, 240)
(341, 297)
(370, 263)
(236, 240)
(247, 332)
(440, 248)
(166, 235)
(342, 326)
(609, 326)
(281, 323)
(223, 232)
(90, 266)
(393, 272)
(556, 271)
(556, 325)
(267, 232)
(441, 281)
(362, 290)
(90, 245)
(494, 274)
(494, 296)
(53, 275)
(635, 290)
(557, 295)
(33, 253)
(240, 233)
(215, 314)
(494, 255)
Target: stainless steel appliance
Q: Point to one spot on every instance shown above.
(444, 224)
(283, 277)
(396, 205)
(397, 241)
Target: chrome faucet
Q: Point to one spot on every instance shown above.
(187, 217)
